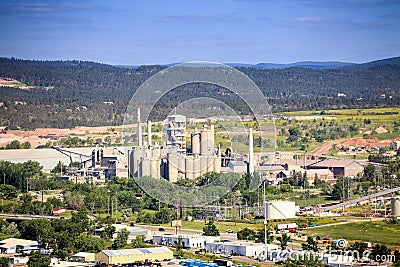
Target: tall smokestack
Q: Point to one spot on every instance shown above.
(149, 133)
(140, 135)
(251, 152)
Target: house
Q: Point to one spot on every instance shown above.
(380, 130)
(395, 145)
(3, 129)
(342, 167)
(136, 255)
(322, 174)
(83, 257)
(237, 166)
(188, 241)
(16, 245)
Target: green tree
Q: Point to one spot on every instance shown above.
(369, 173)
(138, 242)
(37, 259)
(15, 144)
(108, 231)
(359, 246)
(11, 229)
(377, 251)
(246, 234)
(89, 244)
(59, 168)
(37, 229)
(210, 229)
(121, 240)
(4, 262)
(310, 245)
(283, 240)
(179, 248)
(163, 216)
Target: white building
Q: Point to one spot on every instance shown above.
(188, 241)
(16, 245)
(242, 248)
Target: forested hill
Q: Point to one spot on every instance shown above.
(70, 93)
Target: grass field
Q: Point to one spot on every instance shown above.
(375, 232)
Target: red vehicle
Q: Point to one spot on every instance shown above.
(292, 230)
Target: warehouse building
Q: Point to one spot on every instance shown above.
(188, 241)
(342, 167)
(16, 245)
(240, 248)
(136, 255)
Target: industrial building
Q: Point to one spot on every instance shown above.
(173, 160)
(188, 241)
(136, 255)
(242, 248)
(280, 210)
(16, 245)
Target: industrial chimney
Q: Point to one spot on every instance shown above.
(251, 152)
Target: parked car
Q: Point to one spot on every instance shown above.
(161, 229)
(230, 231)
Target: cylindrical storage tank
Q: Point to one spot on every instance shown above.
(203, 165)
(155, 168)
(217, 164)
(210, 164)
(189, 167)
(196, 167)
(206, 142)
(144, 168)
(395, 206)
(280, 210)
(196, 143)
(172, 167)
(181, 164)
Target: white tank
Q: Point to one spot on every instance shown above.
(196, 142)
(196, 167)
(144, 168)
(395, 206)
(155, 168)
(181, 164)
(203, 165)
(210, 165)
(280, 210)
(172, 167)
(206, 142)
(217, 164)
(189, 167)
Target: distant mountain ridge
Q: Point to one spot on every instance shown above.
(301, 64)
(64, 94)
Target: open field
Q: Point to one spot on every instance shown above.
(375, 232)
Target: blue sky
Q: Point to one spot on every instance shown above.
(156, 32)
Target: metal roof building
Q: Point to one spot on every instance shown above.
(125, 256)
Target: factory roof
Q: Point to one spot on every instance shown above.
(334, 163)
(12, 242)
(237, 163)
(126, 252)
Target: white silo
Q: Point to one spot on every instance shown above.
(195, 142)
(203, 164)
(189, 167)
(196, 167)
(207, 141)
(172, 167)
(395, 201)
